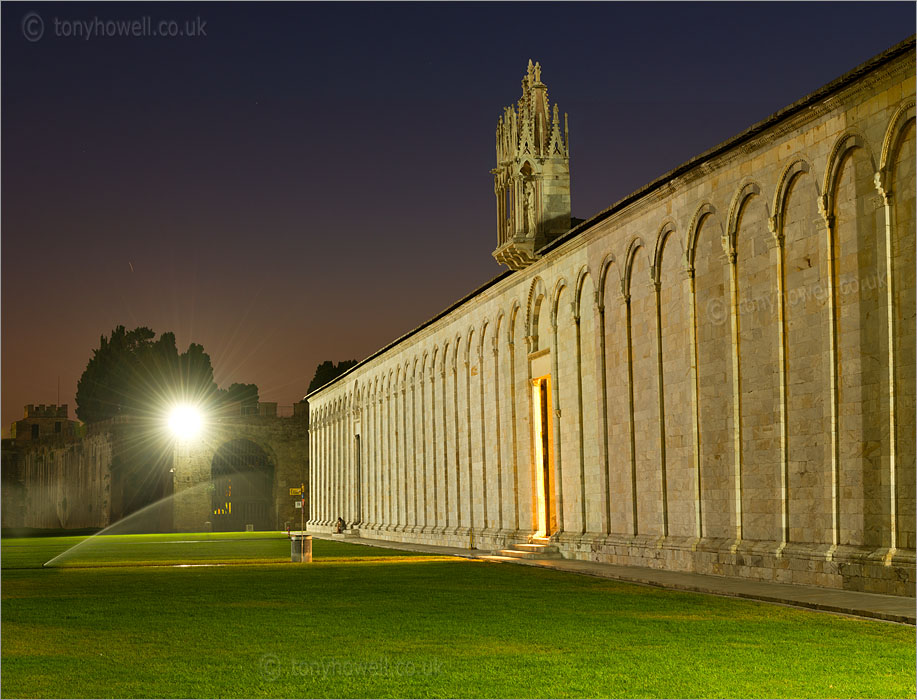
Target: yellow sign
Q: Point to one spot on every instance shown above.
(296, 492)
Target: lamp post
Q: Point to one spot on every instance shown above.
(185, 423)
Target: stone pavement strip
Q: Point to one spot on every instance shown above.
(874, 605)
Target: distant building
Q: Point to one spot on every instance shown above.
(42, 422)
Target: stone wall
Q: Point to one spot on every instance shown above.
(54, 485)
(730, 354)
(284, 442)
(118, 470)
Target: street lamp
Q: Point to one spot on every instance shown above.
(185, 422)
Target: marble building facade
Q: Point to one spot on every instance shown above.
(715, 374)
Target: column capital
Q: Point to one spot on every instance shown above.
(824, 208)
(880, 180)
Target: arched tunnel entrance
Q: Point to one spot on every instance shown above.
(242, 480)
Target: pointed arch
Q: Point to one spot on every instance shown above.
(455, 351)
(537, 290)
(704, 210)
(797, 167)
(513, 314)
(636, 243)
(747, 190)
(604, 269)
(896, 129)
(537, 295)
(846, 142)
(498, 324)
(559, 288)
(666, 229)
(581, 278)
(469, 339)
(485, 326)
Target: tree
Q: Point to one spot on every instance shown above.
(131, 373)
(327, 371)
(246, 394)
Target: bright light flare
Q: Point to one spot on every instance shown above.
(185, 422)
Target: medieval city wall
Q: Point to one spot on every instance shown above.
(284, 443)
(117, 473)
(731, 358)
(55, 486)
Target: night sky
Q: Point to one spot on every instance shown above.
(309, 182)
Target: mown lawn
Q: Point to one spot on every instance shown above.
(366, 622)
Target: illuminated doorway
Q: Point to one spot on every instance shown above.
(358, 480)
(545, 518)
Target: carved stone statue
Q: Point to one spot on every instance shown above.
(528, 204)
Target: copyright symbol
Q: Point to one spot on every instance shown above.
(270, 667)
(716, 311)
(33, 28)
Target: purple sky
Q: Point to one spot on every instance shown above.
(308, 182)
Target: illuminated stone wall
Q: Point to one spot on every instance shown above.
(284, 442)
(103, 478)
(731, 354)
(50, 485)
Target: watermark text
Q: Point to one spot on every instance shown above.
(273, 667)
(35, 27)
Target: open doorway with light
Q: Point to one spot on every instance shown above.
(546, 520)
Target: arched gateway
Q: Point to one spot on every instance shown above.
(242, 477)
(242, 470)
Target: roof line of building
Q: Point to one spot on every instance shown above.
(752, 131)
(460, 302)
(796, 107)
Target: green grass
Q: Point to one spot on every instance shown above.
(366, 621)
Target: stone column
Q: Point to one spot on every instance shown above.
(776, 228)
(660, 386)
(445, 469)
(555, 396)
(511, 349)
(498, 437)
(602, 373)
(432, 522)
(630, 411)
(579, 408)
(695, 406)
(826, 210)
(736, 387)
(886, 194)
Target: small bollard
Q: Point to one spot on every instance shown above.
(301, 548)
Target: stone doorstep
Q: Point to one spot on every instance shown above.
(526, 550)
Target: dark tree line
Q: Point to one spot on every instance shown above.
(134, 373)
(328, 371)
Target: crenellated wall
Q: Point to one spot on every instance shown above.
(730, 356)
